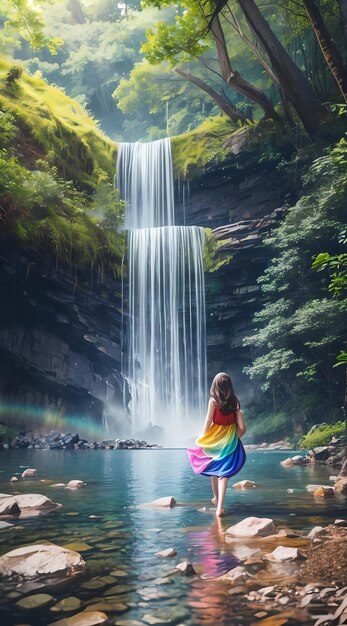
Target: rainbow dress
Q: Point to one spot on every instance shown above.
(220, 452)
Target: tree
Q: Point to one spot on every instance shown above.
(189, 40)
(329, 49)
(292, 80)
(25, 19)
(299, 330)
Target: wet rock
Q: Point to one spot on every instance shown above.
(236, 575)
(322, 492)
(252, 527)
(5, 525)
(282, 554)
(35, 560)
(35, 502)
(185, 568)
(58, 485)
(85, 618)
(29, 473)
(169, 552)
(108, 605)
(128, 622)
(290, 490)
(155, 620)
(77, 546)
(341, 485)
(287, 462)
(244, 484)
(317, 530)
(9, 506)
(36, 601)
(165, 502)
(67, 604)
(313, 488)
(341, 522)
(75, 484)
(14, 479)
(321, 453)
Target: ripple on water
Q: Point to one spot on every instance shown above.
(123, 574)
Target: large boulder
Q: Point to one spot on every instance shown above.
(39, 559)
(9, 506)
(252, 527)
(35, 501)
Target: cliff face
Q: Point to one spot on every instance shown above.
(240, 201)
(59, 340)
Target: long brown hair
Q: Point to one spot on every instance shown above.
(223, 394)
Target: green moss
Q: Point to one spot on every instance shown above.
(214, 258)
(321, 435)
(54, 126)
(192, 151)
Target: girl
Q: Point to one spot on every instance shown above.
(220, 453)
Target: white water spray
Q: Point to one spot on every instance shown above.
(165, 352)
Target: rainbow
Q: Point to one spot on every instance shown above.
(220, 452)
(38, 416)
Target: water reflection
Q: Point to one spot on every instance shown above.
(209, 553)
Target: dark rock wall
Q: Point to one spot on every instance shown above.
(240, 202)
(59, 337)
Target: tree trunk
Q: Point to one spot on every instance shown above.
(233, 79)
(224, 104)
(343, 12)
(294, 82)
(327, 46)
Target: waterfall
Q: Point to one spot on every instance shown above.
(165, 354)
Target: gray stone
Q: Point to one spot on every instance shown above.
(29, 473)
(252, 527)
(38, 559)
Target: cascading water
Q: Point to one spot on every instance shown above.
(165, 354)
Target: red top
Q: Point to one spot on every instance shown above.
(223, 420)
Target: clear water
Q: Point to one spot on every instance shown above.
(126, 535)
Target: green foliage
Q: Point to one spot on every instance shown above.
(213, 257)
(7, 434)
(299, 330)
(74, 221)
(192, 151)
(265, 427)
(52, 126)
(322, 434)
(25, 19)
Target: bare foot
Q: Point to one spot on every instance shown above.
(214, 500)
(219, 512)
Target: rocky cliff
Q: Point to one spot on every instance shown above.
(59, 338)
(240, 200)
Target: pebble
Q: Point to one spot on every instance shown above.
(85, 618)
(36, 601)
(168, 553)
(67, 604)
(78, 546)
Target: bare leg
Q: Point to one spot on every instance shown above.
(222, 486)
(214, 485)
